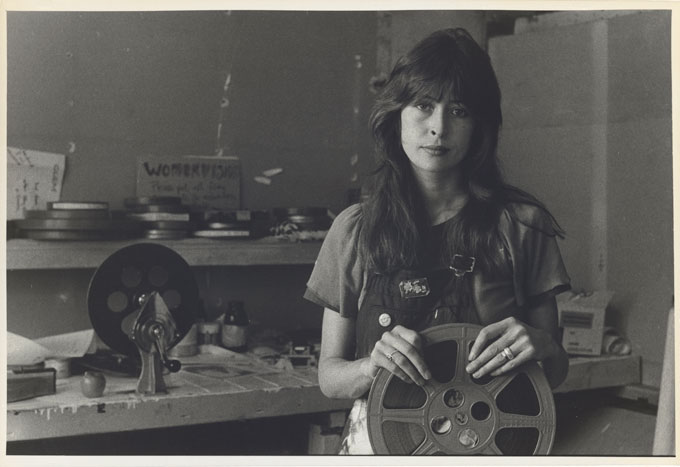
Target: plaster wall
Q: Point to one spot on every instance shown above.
(587, 128)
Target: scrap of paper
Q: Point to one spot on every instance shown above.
(272, 172)
(33, 179)
(69, 345)
(266, 177)
(24, 351)
(263, 180)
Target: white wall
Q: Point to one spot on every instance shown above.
(587, 109)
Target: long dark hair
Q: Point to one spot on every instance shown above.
(446, 63)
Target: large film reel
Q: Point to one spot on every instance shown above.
(124, 281)
(454, 414)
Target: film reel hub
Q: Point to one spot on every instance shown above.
(455, 414)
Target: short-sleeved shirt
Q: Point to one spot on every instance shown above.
(534, 266)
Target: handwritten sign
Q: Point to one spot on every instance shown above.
(201, 181)
(34, 178)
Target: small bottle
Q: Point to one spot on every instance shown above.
(209, 333)
(234, 335)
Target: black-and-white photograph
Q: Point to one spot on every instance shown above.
(340, 232)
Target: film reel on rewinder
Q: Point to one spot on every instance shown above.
(142, 300)
(454, 414)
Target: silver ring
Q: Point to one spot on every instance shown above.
(389, 355)
(507, 353)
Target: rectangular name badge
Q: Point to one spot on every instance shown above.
(414, 288)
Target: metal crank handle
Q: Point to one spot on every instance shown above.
(172, 365)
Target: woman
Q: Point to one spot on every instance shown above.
(440, 239)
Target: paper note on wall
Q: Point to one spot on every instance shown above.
(33, 179)
(201, 181)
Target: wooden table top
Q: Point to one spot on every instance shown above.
(212, 389)
(207, 389)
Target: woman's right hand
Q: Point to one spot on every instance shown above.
(400, 352)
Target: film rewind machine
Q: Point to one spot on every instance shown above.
(142, 301)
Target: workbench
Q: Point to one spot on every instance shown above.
(194, 398)
(215, 396)
(207, 395)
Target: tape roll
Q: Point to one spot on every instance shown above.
(188, 346)
(181, 350)
(454, 414)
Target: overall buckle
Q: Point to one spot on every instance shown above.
(462, 264)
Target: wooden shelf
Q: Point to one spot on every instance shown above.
(35, 254)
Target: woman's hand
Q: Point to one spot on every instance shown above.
(399, 351)
(488, 354)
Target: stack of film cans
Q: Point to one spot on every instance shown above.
(75, 220)
(225, 224)
(305, 218)
(161, 217)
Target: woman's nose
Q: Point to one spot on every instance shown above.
(437, 122)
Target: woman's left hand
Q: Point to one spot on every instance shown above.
(505, 345)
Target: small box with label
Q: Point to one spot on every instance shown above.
(582, 318)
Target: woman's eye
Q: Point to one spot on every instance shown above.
(459, 112)
(423, 106)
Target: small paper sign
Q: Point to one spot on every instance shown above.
(201, 181)
(33, 179)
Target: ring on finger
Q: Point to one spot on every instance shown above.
(389, 355)
(507, 353)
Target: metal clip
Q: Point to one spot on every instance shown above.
(462, 264)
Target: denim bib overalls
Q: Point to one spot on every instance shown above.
(415, 299)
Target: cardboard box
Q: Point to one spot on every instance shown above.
(201, 181)
(582, 318)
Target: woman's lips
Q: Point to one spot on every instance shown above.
(435, 150)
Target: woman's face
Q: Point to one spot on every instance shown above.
(436, 135)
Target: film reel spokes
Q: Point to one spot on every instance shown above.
(454, 414)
